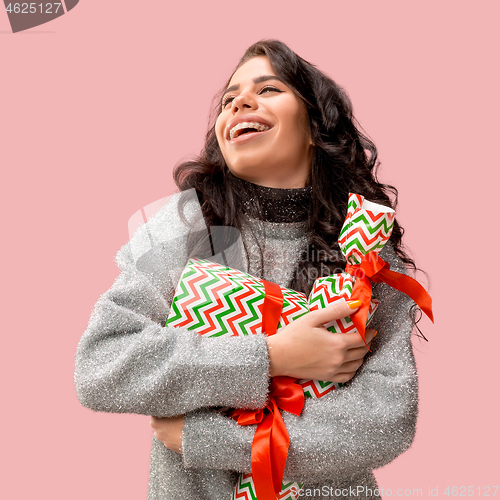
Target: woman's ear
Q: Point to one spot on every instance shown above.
(311, 142)
(309, 129)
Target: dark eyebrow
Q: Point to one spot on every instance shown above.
(258, 79)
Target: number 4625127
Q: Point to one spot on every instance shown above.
(470, 491)
(33, 8)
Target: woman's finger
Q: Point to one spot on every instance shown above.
(342, 378)
(338, 310)
(351, 366)
(353, 341)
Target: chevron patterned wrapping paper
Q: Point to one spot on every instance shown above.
(367, 228)
(215, 300)
(245, 489)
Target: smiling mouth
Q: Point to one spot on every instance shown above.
(246, 128)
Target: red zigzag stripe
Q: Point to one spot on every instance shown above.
(219, 305)
(368, 242)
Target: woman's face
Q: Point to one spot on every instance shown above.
(263, 128)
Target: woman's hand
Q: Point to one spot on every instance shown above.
(306, 349)
(169, 431)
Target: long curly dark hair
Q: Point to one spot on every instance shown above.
(344, 161)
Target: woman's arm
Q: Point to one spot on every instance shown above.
(127, 362)
(364, 425)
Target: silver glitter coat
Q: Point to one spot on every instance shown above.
(128, 362)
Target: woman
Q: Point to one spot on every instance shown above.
(278, 165)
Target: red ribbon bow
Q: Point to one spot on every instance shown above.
(271, 441)
(374, 268)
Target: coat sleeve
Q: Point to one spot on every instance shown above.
(128, 362)
(361, 426)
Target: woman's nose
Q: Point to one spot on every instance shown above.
(244, 100)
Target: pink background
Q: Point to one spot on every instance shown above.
(97, 107)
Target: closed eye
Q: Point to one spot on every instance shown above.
(226, 101)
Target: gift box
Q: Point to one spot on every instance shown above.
(216, 300)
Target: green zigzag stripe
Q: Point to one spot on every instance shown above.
(345, 227)
(248, 486)
(368, 223)
(386, 222)
(356, 242)
(346, 321)
(324, 384)
(318, 298)
(181, 296)
(232, 309)
(231, 302)
(255, 316)
(227, 301)
(196, 311)
(353, 203)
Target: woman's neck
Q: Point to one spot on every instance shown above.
(272, 204)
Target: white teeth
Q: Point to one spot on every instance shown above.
(258, 126)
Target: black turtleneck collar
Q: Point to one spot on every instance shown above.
(273, 204)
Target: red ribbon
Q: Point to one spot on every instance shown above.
(271, 310)
(374, 268)
(271, 440)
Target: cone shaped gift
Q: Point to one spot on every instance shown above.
(215, 300)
